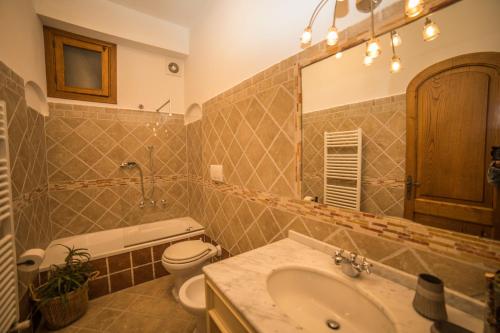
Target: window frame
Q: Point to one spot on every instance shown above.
(55, 40)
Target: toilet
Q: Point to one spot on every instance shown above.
(192, 299)
(184, 260)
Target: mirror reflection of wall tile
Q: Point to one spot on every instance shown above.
(384, 139)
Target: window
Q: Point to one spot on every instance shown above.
(79, 68)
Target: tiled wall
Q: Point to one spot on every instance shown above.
(28, 171)
(28, 164)
(258, 204)
(194, 157)
(242, 220)
(251, 132)
(89, 191)
(383, 122)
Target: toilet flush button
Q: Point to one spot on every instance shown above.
(217, 173)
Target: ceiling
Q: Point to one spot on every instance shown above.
(188, 12)
(185, 12)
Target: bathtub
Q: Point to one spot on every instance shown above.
(108, 243)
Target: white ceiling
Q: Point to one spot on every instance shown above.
(188, 12)
(182, 12)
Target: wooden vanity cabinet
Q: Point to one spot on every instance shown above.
(221, 315)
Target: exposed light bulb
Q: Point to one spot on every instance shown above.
(395, 64)
(367, 60)
(414, 7)
(332, 37)
(338, 55)
(373, 48)
(396, 39)
(306, 38)
(431, 30)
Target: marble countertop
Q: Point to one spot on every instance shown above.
(242, 279)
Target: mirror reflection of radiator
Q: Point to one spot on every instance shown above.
(342, 168)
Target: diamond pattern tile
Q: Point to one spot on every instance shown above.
(83, 158)
(246, 131)
(28, 165)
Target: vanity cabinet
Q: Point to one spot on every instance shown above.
(221, 315)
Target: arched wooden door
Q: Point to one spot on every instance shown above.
(453, 120)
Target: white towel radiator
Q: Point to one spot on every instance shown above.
(342, 165)
(9, 314)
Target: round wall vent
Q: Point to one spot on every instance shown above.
(173, 67)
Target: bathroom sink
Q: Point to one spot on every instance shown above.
(320, 302)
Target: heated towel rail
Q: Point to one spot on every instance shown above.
(342, 168)
(9, 314)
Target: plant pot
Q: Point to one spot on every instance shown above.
(59, 312)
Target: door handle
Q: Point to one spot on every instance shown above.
(409, 186)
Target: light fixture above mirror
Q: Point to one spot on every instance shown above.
(373, 49)
(414, 7)
(431, 30)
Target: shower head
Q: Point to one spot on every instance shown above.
(129, 165)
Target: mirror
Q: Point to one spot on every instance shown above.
(426, 130)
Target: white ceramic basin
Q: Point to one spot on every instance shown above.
(311, 297)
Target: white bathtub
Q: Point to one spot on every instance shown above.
(110, 242)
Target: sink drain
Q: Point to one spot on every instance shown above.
(332, 324)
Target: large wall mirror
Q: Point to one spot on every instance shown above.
(415, 143)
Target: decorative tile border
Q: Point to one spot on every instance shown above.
(28, 197)
(391, 228)
(79, 184)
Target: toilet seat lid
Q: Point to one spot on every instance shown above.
(186, 251)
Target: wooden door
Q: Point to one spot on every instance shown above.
(453, 120)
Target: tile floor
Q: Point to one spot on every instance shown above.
(148, 307)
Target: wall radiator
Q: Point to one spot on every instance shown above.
(9, 314)
(342, 168)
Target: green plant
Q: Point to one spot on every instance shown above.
(66, 278)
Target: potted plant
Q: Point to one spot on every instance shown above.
(64, 297)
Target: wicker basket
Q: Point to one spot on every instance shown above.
(59, 312)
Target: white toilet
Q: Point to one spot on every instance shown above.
(192, 299)
(185, 259)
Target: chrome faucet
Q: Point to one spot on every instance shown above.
(352, 265)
